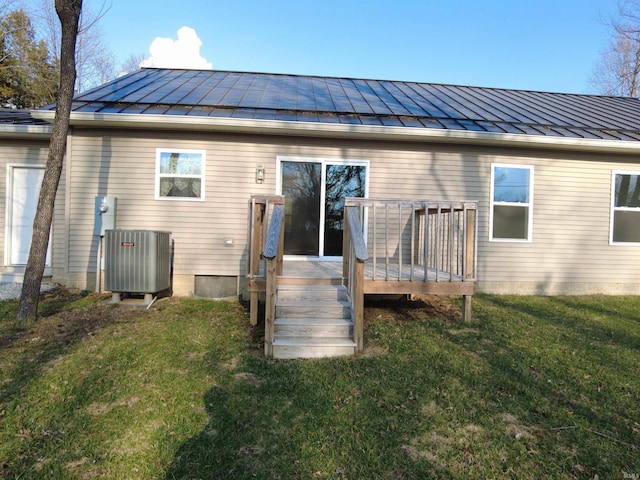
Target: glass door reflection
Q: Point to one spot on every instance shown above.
(314, 201)
(342, 181)
(301, 186)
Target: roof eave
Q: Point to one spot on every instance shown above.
(338, 130)
(25, 131)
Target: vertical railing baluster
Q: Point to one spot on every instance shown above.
(437, 252)
(252, 229)
(427, 221)
(464, 247)
(386, 241)
(400, 241)
(251, 273)
(451, 236)
(458, 243)
(375, 240)
(413, 238)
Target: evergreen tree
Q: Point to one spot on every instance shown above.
(28, 78)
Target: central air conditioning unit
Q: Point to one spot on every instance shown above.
(137, 262)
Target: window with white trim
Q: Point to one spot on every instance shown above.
(625, 208)
(180, 174)
(511, 217)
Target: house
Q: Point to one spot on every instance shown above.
(24, 145)
(555, 176)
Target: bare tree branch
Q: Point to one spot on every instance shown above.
(94, 60)
(618, 70)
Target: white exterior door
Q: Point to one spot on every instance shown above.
(22, 200)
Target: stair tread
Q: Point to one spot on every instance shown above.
(314, 341)
(313, 321)
(319, 302)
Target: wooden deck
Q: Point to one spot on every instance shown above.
(312, 269)
(387, 279)
(389, 247)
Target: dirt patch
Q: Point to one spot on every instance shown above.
(416, 307)
(58, 326)
(449, 447)
(247, 377)
(373, 351)
(97, 409)
(231, 364)
(513, 427)
(463, 331)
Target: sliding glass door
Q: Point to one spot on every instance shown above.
(315, 190)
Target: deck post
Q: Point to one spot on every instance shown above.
(469, 250)
(257, 229)
(273, 255)
(256, 219)
(355, 255)
(280, 254)
(358, 307)
(346, 244)
(466, 308)
(270, 307)
(253, 308)
(468, 263)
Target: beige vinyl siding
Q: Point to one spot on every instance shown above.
(124, 166)
(31, 152)
(571, 204)
(570, 231)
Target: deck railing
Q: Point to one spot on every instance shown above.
(261, 210)
(389, 246)
(354, 254)
(417, 241)
(273, 249)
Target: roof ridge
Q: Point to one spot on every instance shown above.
(312, 98)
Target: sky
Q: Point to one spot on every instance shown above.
(546, 45)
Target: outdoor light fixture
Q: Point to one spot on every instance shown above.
(260, 174)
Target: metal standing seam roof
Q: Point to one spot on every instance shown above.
(297, 98)
(18, 117)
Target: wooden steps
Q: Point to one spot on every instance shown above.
(312, 321)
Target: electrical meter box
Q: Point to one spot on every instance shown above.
(104, 215)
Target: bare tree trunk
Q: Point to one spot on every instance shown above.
(69, 14)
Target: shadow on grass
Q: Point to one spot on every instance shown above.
(300, 420)
(30, 348)
(596, 334)
(564, 368)
(431, 403)
(598, 317)
(326, 418)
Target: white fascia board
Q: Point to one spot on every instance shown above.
(25, 131)
(337, 130)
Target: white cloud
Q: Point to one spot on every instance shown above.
(181, 53)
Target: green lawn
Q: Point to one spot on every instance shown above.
(537, 387)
